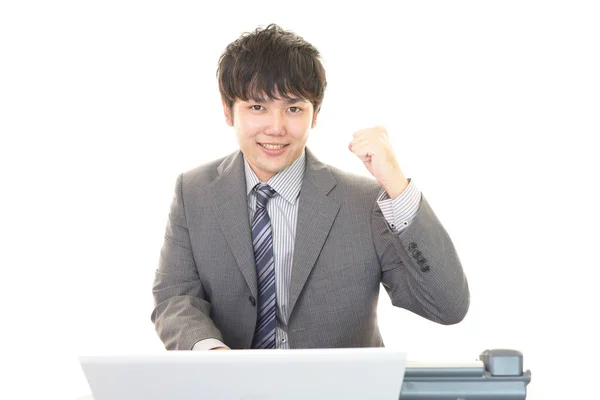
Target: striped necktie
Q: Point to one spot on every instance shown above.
(262, 241)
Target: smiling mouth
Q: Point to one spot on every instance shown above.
(273, 146)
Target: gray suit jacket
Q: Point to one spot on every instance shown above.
(206, 279)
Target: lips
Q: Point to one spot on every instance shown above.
(272, 146)
(273, 149)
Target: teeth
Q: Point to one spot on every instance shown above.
(273, 146)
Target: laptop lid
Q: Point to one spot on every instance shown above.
(363, 373)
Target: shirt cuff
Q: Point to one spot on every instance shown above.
(400, 211)
(208, 344)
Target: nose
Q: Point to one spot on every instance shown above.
(275, 125)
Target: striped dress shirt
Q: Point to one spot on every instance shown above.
(283, 212)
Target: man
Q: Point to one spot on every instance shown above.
(270, 248)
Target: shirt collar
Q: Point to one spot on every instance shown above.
(286, 183)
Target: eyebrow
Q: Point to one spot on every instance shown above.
(287, 101)
(295, 100)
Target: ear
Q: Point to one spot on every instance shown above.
(314, 121)
(228, 112)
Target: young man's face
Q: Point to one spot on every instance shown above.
(271, 134)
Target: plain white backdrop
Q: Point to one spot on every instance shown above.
(493, 109)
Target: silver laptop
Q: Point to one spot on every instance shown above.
(365, 373)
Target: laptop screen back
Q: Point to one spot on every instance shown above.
(366, 373)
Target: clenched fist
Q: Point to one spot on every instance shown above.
(374, 149)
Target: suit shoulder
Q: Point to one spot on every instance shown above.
(207, 172)
(204, 171)
(354, 182)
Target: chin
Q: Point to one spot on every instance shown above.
(273, 169)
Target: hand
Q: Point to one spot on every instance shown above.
(374, 149)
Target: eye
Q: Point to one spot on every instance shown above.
(256, 107)
(295, 110)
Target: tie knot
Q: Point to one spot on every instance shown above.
(263, 193)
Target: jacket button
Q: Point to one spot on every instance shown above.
(421, 261)
(425, 268)
(412, 246)
(252, 300)
(416, 254)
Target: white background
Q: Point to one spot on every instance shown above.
(493, 109)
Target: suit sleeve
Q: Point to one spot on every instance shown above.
(421, 270)
(181, 313)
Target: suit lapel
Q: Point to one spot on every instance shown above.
(316, 213)
(230, 204)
